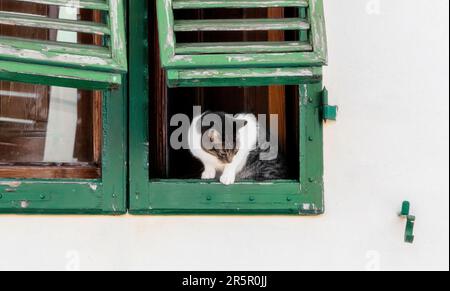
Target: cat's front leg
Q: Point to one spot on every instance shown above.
(229, 176)
(209, 173)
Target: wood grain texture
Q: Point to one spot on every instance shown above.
(49, 172)
(277, 94)
(158, 111)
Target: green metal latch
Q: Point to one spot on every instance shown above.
(328, 112)
(410, 220)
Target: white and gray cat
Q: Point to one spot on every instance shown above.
(235, 154)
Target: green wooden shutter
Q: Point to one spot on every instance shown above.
(65, 64)
(310, 50)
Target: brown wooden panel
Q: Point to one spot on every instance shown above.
(277, 94)
(49, 172)
(158, 110)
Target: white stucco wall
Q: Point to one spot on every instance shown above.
(388, 72)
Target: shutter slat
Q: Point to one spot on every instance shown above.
(58, 76)
(240, 25)
(20, 19)
(242, 77)
(242, 47)
(53, 47)
(85, 4)
(201, 4)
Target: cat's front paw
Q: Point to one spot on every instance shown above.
(228, 178)
(209, 174)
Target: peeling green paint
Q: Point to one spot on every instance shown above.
(79, 63)
(304, 196)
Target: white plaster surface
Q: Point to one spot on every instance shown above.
(389, 74)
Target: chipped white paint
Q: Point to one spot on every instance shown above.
(306, 95)
(11, 184)
(170, 39)
(26, 54)
(240, 59)
(187, 59)
(302, 72)
(193, 4)
(210, 55)
(97, 5)
(240, 25)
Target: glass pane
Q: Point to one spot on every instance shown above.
(41, 124)
(59, 128)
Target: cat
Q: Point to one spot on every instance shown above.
(234, 153)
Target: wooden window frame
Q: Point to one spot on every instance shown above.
(40, 191)
(105, 195)
(147, 196)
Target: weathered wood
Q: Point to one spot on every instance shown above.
(50, 172)
(201, 4)
(64, 77)
(19, 19)
(47, 48)
(240, 25)
(108, 57)
(242, 47)
(308, 23)
(243, 77)
(87, 4)
(277, 94)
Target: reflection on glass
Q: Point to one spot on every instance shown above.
(47, 124)
(56, 129)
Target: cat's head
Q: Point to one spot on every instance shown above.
(221, 139)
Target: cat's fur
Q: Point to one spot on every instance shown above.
(235, 157)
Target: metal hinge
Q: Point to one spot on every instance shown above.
(329, 112)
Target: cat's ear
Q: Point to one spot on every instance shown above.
(240, 123)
